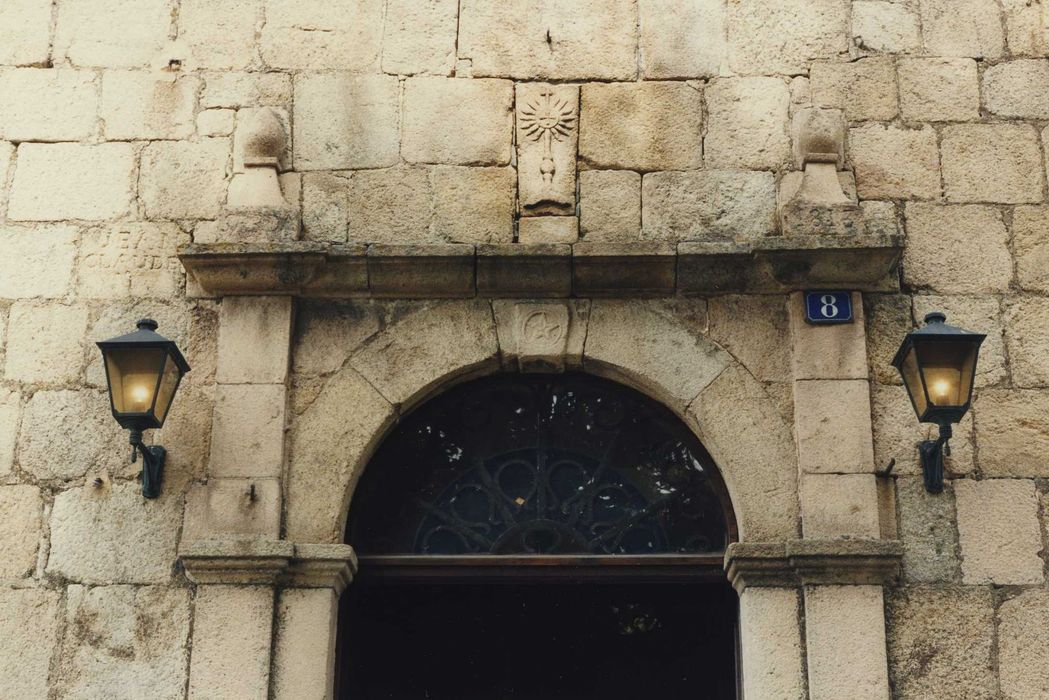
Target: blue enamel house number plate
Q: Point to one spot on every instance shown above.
(828, 307)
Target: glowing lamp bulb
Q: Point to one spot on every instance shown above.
(140, 395)
(941, 389)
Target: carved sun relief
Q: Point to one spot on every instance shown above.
(549, 119)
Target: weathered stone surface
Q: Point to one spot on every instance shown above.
(708, 205)
(45, 256)
(26, 657)
(547, 138)
(216, 122)
(978, 239)
(552, 39)
(641, 126)
(971, 152)
(1026, 28)
(864, 89)
(999, 532)
(325, 199)
(541, 337)
(981, 315)
(939, 89)
(928, 531)
(138, 105)
(254, 337)
(827, 352)
(845, 639)
(232, 630)
(25, 32)
(131, 259)
(303, 658)
(71, 181)
(219, 36)
(429, 347)
(833, 426)
(940, 643)
(113, 535)
(67, 433)
(327, 333)
(886, 26)
(474, 205)
(1031, 247)
(897, 433)
(346, 121)
(1017, 89)
(892, 162)
(44, 343)
(20, 511)
(474, 118)
(783, 37)
(770, 631)
(1023, 644)
(752, 445)
(390, 206)
(962, 28)
(839, 506)
(47, 105)
(1013, 432)
(420, 37)
(322, 34)
(752, 329)
(330, 441)
(233, 509)
(610, 205)
(90, 34)
(184, 180)
(746, 123)
(125, 641)
(681, 39)
(235, 89)
(548, 229)
(10, 414)
(248, 430)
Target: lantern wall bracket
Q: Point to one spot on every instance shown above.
(153, 457)
(932, 453)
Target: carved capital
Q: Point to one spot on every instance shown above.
(269, 563)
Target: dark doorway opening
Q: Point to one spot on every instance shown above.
(539, 641)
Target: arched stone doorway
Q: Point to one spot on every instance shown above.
(555, 535)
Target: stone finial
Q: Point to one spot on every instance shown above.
(264, 140)
(819, 137)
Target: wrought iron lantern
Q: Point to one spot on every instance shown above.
(938, 366)
(143, 371)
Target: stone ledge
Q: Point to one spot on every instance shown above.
(269, 562)
(771, 265)
(813, 562)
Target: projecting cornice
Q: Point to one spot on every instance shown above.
(813, 562)
(769, 265)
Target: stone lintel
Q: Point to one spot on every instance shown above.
(269, 562)
(813, 562)
(770, 265)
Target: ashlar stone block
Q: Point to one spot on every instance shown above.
(20, 511)
(45, 256)
(26, 659)
(1031, 247)
(547, 143)
(322, 34)
(1023, 641)
(550, 39)
(66, 433)
(130, 259)
(971, 152)
(325, 199)
(643, 126)
(782, 38)
(747, 123)
(833, 426)
(45, 343)
(231, 509)
(43, 104)
(184, 180)
(25, 32)
(254, 337)
(393, 206)
(864, 89)
(236, 89)
(1017, 89)
(770, 631)
(10, 414)
(939, 89)
(886, 26)
(895, 163)
(306, 625)
(327, 333)
(610, 205)
(420, 37)
(1026, 28)
(548, 229)
(978, 239)
(125, 641)
(216, 122)
(845, 637)
(113, 535)
(457, 122)
(232, 630)
(247, 434)
(970, 28)
(940, 642)
(682, 39)
(219, 36)
(141, 105)
(60, 181)
(111, 35)
(839, 506)
(474, 205)
(827, 352)
(708, 205)
(928, 529)
(999, 532)
(1013, 432)
(752, 329)
(343, 121)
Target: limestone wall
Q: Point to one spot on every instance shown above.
(411, 121)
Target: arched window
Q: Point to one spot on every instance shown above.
(535, 482)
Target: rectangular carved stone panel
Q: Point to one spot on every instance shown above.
(547, 135)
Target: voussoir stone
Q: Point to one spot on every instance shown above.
(458, 122)
(112, 534)
(708, 205)
(644, 126)
(25, 656)
(1023, 644)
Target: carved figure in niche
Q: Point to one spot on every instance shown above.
(547, 134)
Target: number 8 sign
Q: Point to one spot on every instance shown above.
(828, 307)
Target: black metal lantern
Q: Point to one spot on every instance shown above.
(143, 371)
(938, 366)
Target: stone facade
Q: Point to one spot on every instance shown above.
(583, 133)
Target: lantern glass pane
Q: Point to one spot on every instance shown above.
(132, 376)
(912, 378)
(948, 369)
(166, 393)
